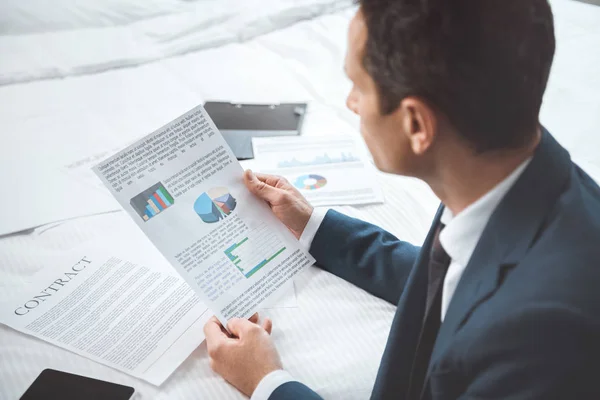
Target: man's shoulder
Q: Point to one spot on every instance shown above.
(543, 317)
(561, 267)
(572, 227)
(589, 189)
(576, 212)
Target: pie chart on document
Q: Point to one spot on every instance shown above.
(214, 205)
(310, 182)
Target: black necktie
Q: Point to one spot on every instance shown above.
(439, 261)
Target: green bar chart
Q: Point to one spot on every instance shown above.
(249, 254)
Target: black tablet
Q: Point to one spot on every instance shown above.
(53, 384)
(239, 123)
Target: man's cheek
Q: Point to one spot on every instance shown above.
(369, 140)
(366, 126)
(369, 132)
(364, 131)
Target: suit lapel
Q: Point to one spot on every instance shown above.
(511, 230)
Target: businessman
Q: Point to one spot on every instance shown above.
(502, 300)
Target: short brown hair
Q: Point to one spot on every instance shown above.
(483, 63)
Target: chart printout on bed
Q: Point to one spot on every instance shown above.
(184, 188)
(328, 170)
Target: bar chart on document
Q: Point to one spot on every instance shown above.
(152, 201)
(252, 252)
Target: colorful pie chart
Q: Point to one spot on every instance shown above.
(310, 182)
(214, 205)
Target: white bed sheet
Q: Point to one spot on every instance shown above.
(337, 332)
(154, 32)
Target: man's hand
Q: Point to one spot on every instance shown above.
(244, 357)
(285, 200)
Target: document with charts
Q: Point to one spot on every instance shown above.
(183, 187)
(327, 170)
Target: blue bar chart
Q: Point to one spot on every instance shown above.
(152, 201)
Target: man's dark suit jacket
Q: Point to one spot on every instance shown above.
(524, 321)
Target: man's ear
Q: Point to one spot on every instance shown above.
(419, 123)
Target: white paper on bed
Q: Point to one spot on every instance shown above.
(183, 187)
(328, 170)
(55, 196)
(137, 318)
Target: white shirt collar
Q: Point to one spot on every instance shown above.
(462, 232)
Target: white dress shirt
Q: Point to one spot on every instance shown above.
(459, 239)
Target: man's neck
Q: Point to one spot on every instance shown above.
(462, 178)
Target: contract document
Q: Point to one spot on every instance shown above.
(327, 170)
(138, 318)
(184, 188)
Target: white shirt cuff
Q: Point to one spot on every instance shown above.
(314, 222)
(269, 383)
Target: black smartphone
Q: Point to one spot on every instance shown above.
(53, 384)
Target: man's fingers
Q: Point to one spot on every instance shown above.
(216, 340)
(215, 337)
(260, 188)
(239, 327)
(213, 330)
(271, 180)
(254, 318)
(267, 325)
(278, 182)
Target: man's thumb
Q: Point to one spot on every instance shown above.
(238, 326)
(259, 188)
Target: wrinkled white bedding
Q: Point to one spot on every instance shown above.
(63, 38)
(334, 340)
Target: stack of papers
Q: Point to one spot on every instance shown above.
(125, 306)
(228, 255)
